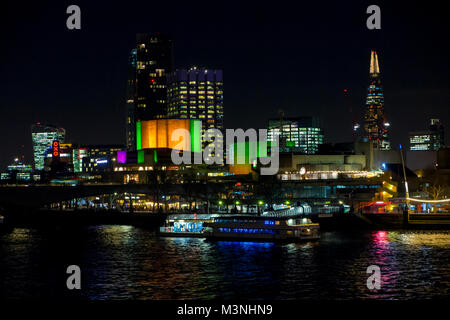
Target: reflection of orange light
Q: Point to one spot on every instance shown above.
(158, 134)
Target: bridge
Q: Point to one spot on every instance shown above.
(32, 197)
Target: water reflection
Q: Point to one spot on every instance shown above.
(124, 262)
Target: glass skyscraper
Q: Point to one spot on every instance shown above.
(299, 134)
(43, 136)
(149, 63)
(375, 124)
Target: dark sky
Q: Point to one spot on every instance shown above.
(280, 55)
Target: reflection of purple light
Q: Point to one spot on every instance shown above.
(121, 156)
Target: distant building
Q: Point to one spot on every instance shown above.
(149, 64)
(298, 135)
(63, 164)
(100, 158)
(197, 94)
(77, 157)
(43, 136)
(375, 123)
(17, 172)
(429, 140)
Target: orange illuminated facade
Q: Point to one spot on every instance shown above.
(158, 134)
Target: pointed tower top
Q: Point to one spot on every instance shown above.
(374, 67)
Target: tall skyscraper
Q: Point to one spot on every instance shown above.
(43, 137)
(149, 64)
(196, 94)
(375, 124)
(299, 134)
(430, 140)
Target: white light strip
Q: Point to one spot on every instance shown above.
(428, 201)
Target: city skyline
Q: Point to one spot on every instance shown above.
(304, 84)
(218, 158)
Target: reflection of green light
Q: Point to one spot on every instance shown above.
(138, 136)
(260, 202)
(155, 156)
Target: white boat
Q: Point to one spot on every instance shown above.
(187, 225)
(241, 227)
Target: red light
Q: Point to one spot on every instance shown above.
(56, 148)
(345, 90)
(238, 184)
(381, 236)
(153, 80)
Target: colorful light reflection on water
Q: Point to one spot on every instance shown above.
(123, 262)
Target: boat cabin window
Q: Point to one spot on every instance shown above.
(293, 222)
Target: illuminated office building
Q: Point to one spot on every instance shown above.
(43, 136)
(430, 140)
(77, 156)
(299, 134)
(99, 158)
(375, 124)
(17, 172)
(149, 64)
(197, 94)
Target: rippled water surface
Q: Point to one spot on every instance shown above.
(124, 262)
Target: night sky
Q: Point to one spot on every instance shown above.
(295, 57)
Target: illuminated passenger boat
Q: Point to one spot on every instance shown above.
(187, 225)
(247, 227)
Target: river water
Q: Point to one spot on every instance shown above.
(125, 262)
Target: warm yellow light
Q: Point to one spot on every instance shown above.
(428, 201)
(158, 134)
